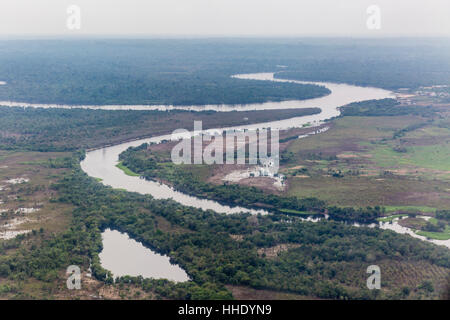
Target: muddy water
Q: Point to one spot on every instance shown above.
(101, 163)
(124, 256)
(395, 226)
(341, 94)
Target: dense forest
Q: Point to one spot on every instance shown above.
(383, 108)
(147, 72)
(387, 63)
(72, 129)
(185, 72)
(325, 262)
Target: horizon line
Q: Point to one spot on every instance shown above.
(219, 36)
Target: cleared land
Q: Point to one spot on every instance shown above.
(26, 195)
(360, 162)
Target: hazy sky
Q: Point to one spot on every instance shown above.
(226, 17)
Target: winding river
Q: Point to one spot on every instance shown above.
(101, 163)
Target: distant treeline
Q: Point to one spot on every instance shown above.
(148, 72)
(185, 72)
(383, 63)
(384, 107)
(41, 129)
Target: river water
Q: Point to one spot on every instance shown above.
(395, 226)
(122, 255)
(101, 163)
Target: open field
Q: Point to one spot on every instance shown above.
(365, 161)
(26, 194)
(391, 218)
(421, 209)
(127, 171)
(370, 191)
(436, 235)
(29, 216)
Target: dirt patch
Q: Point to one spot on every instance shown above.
(412, 223)
(219, 172)
(237, 237)
(264, 183)
(295, 168)
(26, 180)
(347, 156)
(165, 226)
(272, 252)
(424, 197)
(92, 289)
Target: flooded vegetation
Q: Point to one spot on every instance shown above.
(11, 228)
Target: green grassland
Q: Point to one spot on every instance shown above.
(436, 235)
(296, 212)
(126, 170)
(390, 218)
(412, 209)
(400, 162)
(426, 157)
